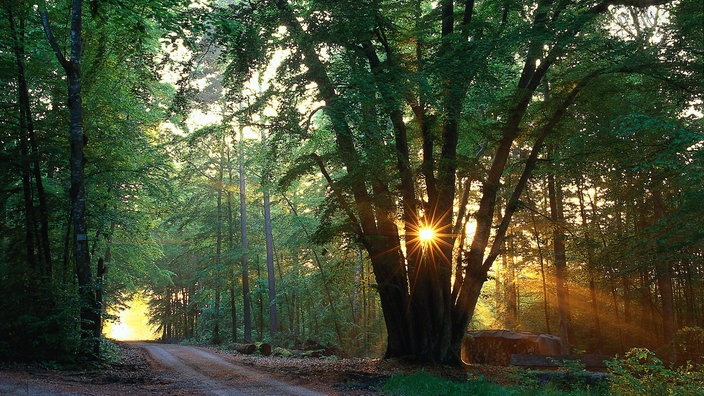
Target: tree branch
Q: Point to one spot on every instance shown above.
(338, 195)
(52, 40)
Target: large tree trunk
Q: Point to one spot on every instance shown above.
(89, 311)
(425, 317)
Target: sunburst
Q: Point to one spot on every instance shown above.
(428, 235)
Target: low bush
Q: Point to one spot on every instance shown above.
(422, 383)
(640, 372)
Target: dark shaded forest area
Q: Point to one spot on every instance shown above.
(377, 176)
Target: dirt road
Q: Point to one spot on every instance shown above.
(209, 373)
(164, 369)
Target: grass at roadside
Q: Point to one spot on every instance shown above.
(637, 373)
(424, 384)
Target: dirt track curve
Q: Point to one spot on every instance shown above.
(213, 375)
(173, 370)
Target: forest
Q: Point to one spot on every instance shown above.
(380, 176)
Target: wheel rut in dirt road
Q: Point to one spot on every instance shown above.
(211, 374)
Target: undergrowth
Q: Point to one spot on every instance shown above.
(424, 384)
(638, 373)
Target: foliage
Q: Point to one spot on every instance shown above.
(688, 345)
(423, 383)
(127, 171)
(640, 372)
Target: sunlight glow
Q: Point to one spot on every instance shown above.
(426, 234)
(133, 323)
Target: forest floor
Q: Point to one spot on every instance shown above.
(168, 369)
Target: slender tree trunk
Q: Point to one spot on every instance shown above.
(663, 272)
(287, 303)
(595, 329)
(271, 274)
(103, 266)
(541, 259)
(218, 246)
(233, 311)
(243, 226)
(511, 287)
(27, 135)
(231, 245)
(260, 317)
(323, 277)
(29, 221)
(560, 262)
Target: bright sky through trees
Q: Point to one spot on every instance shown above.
(133, 323)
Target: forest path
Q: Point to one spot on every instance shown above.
(203, 371)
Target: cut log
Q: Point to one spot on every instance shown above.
(265, 349)
(246, 349)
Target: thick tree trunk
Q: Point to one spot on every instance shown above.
(422, 316)
(89, 311)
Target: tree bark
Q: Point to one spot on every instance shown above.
(26, 122)
(595, 329)
(271, 274)
(422, 315)
(560, 263)
(89, 311)
(244, 260)
(663, 272)
(218, 244)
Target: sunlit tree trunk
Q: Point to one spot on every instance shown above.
(560, 262)
(595, 329)
(541, 259)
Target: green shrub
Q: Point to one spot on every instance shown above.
(688, 345)
(640, 372)
(422, 383)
